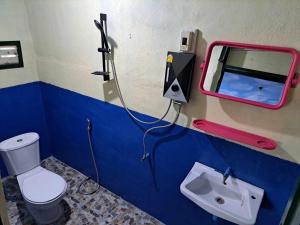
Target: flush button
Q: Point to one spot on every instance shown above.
(19, 140)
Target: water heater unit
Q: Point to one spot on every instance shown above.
(179, 75)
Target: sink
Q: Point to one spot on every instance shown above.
(235, 201)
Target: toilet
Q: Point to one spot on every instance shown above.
(41, 189)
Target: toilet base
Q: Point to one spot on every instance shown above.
(45, 213)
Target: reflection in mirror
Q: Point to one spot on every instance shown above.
(250, 74)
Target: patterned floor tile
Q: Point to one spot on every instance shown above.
(101, 208)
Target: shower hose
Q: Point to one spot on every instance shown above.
(86, 181)
(145, 154)
(124, 103)
(104, 38)
(89, 128)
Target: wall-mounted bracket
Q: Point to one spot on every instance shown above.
(102, 73)
(106, 50)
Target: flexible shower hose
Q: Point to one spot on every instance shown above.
(145, 154)
(124, 103)
(102, 28)
(84, 182)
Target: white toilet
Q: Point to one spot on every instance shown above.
(41, 189)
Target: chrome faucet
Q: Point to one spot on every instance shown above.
(226, 175)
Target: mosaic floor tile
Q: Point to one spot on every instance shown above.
(103, 207)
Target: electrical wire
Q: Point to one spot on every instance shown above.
(123, 102)
(84, 182)
(145, 154)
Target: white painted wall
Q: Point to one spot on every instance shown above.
(14, 27)
(66, 41)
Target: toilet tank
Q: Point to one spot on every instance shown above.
(21, 153)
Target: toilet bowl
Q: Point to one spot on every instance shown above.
(41, 189)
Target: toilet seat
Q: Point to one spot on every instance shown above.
(41, 186)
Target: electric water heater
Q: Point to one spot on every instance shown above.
(179, 75)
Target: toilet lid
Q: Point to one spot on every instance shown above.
(43, 186)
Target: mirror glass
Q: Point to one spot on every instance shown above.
(249, 74)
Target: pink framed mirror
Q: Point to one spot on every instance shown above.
(258, 75)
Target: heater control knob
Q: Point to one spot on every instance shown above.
(175, 87)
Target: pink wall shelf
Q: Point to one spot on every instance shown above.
(235, 135)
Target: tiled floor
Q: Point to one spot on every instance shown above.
(102, 207)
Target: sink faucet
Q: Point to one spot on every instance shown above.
(226, 175)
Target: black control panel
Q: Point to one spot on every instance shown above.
(179, 76)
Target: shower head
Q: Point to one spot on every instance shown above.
(98, 25)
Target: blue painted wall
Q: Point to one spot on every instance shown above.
(154, 185)
(22, 111)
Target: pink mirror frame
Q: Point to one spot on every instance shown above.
(292, 78)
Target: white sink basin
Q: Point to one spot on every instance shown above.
(237, 201)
